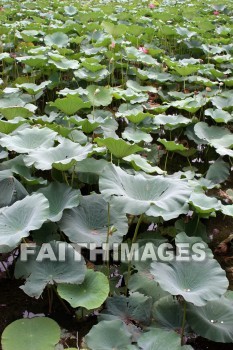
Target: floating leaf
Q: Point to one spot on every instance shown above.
(40, 333)
(91, 293)
(104, 336)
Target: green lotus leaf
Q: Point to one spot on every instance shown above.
(138, 88)
(33, 89)
(62, 157)
(159, 339)
(136, 135)
(224, 101)
(118, 147)
(144, 283)
(64, 64)
(10, 188)
(41, 333)
(197, 281)
(99, 95)
(171, 121)
(132, 111)
(182, 237)
(212, 321)
(216, 136)
(20, 218)
(227, 210)
(89, 222)
(137, 308)
(137, 194)
(92, 64)
(51, 267)
(70, 10)
(168, 314)
(85, 74)
(17, 166)
(70, 104)
(7, 126)
(204, 204)
(218, 172)
(16, 111)
(108, 335)
(172, 145)
(91, 293)
(28, 139)
(219, 115)
(36, 61)
(59, 39)
(89, 169)
(138, 162)
(60, 197)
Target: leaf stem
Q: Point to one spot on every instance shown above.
(130, 262)
(183, 323)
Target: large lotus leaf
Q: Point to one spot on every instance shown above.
(204, 204)
(59, 39)
(55, 262)
(118, 147)
(167, 313)
(218, 172)
(135, 308)
(108, 335)
(172, 145)
(138, 162)
(197, 281)
(159, 339)
(60, 197)
(171, 121)
(144, 283)
(136, 87)
(219, 115)
(136, 135)
(91, 294)
(192, 241)
(28, 139)
(212, 321)
(62, 157)
(89, 169)
(126, 110)
(70, 104)
(10, 188)
(87, 75)
(223, 101)
(99, 95)
(89, 222)
(215, 135)
(33, 89)
(137, 194)
(20, 218)
(7, 126)
(70, 10)
(31, 333)
(17, 166)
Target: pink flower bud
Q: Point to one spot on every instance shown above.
(143, 49)
(151, 6)
(112, 45)
(216, 13)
